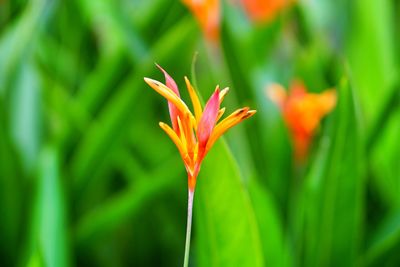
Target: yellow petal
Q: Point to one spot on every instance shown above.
(168, 94)
(174, 137)
(182, 134)
(195, 100)
(220, 113)
(194, 122)
(227, 123)
(222, 94)
(188, 129)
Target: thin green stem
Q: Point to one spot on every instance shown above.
(188, 228)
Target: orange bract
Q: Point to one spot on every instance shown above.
(302, 112)
(207, 12)
(194, 135)
(264, 10)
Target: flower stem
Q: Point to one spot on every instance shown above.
(188, 228)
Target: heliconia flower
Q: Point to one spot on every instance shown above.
(194, 134)
(207, 13)
(302, 112)
(261, 11)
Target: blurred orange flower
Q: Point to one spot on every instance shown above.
(194, 135)
(261, 11)
(207, 12)
(302, 112)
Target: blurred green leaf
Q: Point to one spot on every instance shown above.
(18, 41)
(114, 30)
(371, 54)
(386, 237)
(26, 123)
(334, 190)
(127, 203)
(225, 223)
(11, 185)
(49, 241)
(272, 138)
(275, 247)
(384, 151)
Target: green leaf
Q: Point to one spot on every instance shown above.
(225, 223)
(18, 40)
(270, 226)
(386, 237)
(26, 115)
(334, 190)
(371, 54)
(11, 186)
(49, 240)
(115, 29)
(126, 204)
(384, 152)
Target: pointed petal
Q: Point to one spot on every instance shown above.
(220, 113)
(173, 111)
(174, 137)
(188, 130)
(194, 123)
(227, 123)
(169, 95)
(195, 100)
(169, 81)
(182, 136)
(222, 94)
(208, 119)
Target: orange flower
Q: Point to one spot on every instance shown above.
(207, 13)
(194, 135)
(261, 11)
(302, 112)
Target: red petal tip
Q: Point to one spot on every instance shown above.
(208, 119)
(169, 82)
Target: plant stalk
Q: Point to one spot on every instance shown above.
(188, 228)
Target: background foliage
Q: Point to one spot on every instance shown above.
(87, 178)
